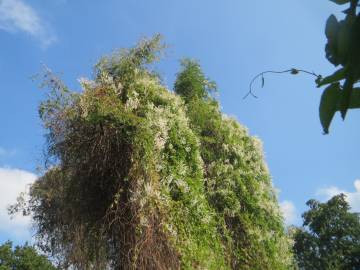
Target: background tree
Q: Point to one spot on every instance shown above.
(329, 238)
(22, 258)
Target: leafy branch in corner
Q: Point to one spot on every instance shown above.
(342, 50)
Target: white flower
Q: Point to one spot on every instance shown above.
(86, 83)
(183, 140)
(182, 185)
(182, 169)
(158, 167)
(132, 103)
(159, 142)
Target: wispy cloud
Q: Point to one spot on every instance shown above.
(6, 153)
(3, 152)
(15, 15)
(12, 182)
(288, 211)
(353, 198)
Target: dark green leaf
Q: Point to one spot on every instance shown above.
(328, 105)
(331, 53)
(331, 32)
(355, 99)
(340, 2)
(345, 97)
(331, 27)
(343, 40)
(335, 77)
(348, 11)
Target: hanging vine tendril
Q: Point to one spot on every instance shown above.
(292, 71)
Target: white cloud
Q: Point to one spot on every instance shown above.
(12, 182)
(353, 198)
(15, 16)
(288, 211)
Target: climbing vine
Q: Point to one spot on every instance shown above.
(140, 177)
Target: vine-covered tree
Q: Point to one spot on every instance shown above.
(330, 238)
(139, 177)
(22, 258)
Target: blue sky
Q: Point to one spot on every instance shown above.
(234, 40)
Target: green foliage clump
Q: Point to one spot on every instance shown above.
(329, 238)
(191, 83)
(237, 182)
(139, 177)
(22, 258)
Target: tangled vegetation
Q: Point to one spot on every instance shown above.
(139, 177)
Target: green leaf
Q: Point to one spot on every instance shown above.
(340, 2)
(345, 97)
(328, 105)
(331, 32)
(331, 27)
(343, 40)
(335, 77)
(355, 99)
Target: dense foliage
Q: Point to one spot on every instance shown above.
(139, 177)
(342, 49)
(330, 238)
(238, 185)
(22, 258)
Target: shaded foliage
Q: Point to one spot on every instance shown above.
(329, 238)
